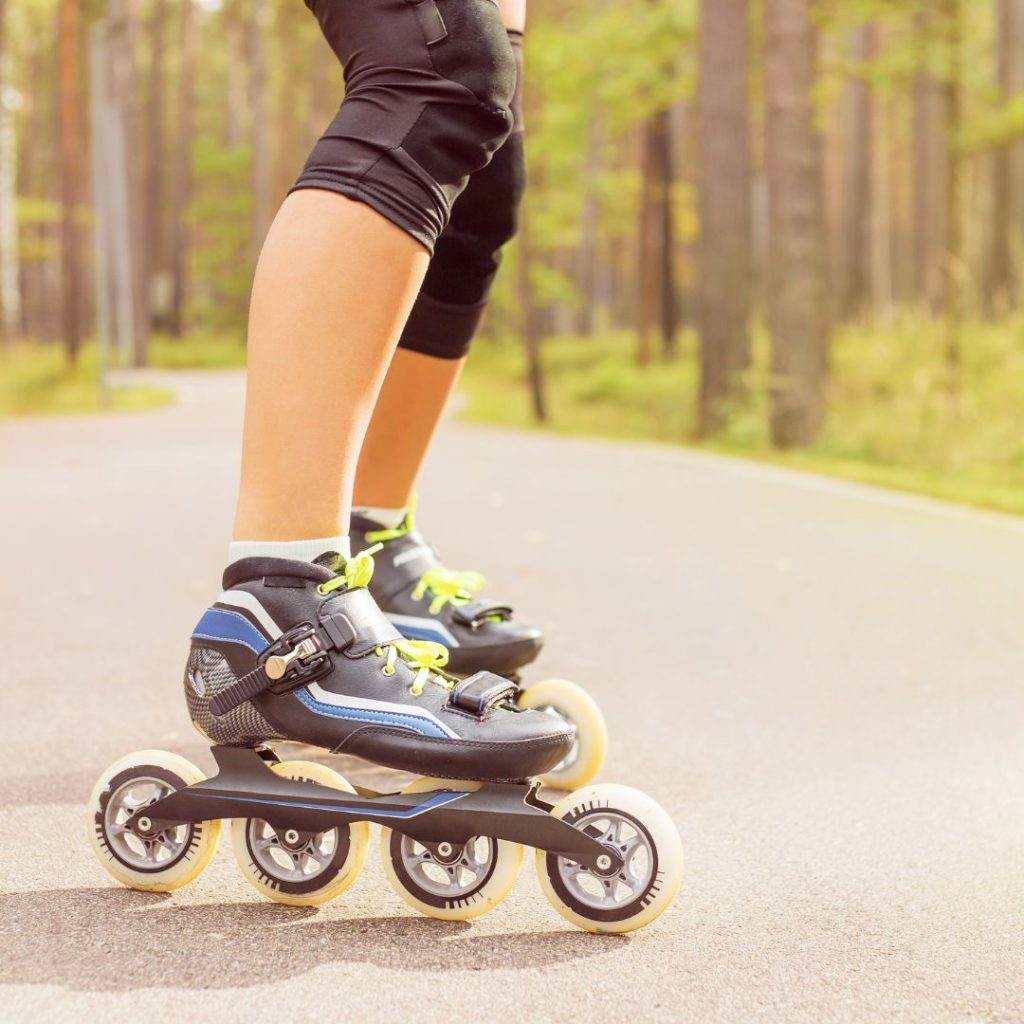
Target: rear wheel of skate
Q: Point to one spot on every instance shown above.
(122, 835)
(450, 882)
(638, 830)
(302, 869)
(574, 705)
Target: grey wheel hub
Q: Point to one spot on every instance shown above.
(605, 887)
(130, 834)
(451, 873)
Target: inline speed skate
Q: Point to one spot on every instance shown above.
(425, 600)
(295, 651)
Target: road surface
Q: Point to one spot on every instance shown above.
(822, 684)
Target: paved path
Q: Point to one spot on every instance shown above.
(822, 683)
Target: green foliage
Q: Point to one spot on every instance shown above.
(204, 350)
(37, 380)
(220, 215)
(893, 419)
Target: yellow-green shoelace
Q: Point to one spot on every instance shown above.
(426, 656)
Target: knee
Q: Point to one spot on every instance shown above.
(447, 312)
(468, 114)
(430, 86)
(485, 217)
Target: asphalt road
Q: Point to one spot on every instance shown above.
(821, 683)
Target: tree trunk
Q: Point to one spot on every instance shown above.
(1002, 285)
(181, 186)
(324, 96)
(153, 194)
(126, 276)
(664, 228)
(587, 266)
(646, 265)
(797, 318)
(235, 20)
(954, 263)
(855, 262)
(37, 159)
(124, 43)
(931, 169)
(530, 325)
(258, 125)
(724, 186)
(884, 251)
(10, 290)
(70, 138)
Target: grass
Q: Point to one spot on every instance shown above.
(199, 351)
(37, 380)
(893, 419)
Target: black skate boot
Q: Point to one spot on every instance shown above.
(427, 601)
(293, 651)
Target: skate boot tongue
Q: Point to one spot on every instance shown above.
(328, 560)
(350, 573)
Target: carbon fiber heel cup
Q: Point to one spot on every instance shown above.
(206, 674)
(428, 90)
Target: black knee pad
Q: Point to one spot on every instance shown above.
(429, 86)
(467, 256)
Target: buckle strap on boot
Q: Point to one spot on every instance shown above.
(296, 657)
(352, 623)
(480, 692)
(473, 613)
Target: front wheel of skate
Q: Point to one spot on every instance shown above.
(630, 824)
(121, 835)
(450, 882)
(574, 705)
(301, 869)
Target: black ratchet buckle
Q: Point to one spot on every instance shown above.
(295, 658)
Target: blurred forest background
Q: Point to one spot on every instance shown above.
(784, 228)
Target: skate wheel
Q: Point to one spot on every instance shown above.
(637, 828)
(573, 704)
(451, 883)
(156, 863)
(301, 869)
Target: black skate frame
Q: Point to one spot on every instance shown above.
(245, 787)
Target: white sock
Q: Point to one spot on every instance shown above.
(388, 518)
(299, 550)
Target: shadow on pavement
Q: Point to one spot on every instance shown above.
(109, 940)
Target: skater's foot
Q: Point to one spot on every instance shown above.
(298, 651)
(427, 601)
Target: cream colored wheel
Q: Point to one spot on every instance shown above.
(122, 836)
(573, 704)
(302, 869)
(451, 882)
(639, 832)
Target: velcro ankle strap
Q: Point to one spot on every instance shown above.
(354, 624)
(472, 613)
(482, 691)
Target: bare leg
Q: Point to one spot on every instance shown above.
(412, 401)
(407, 413)
(513, 14)
(323, 324)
